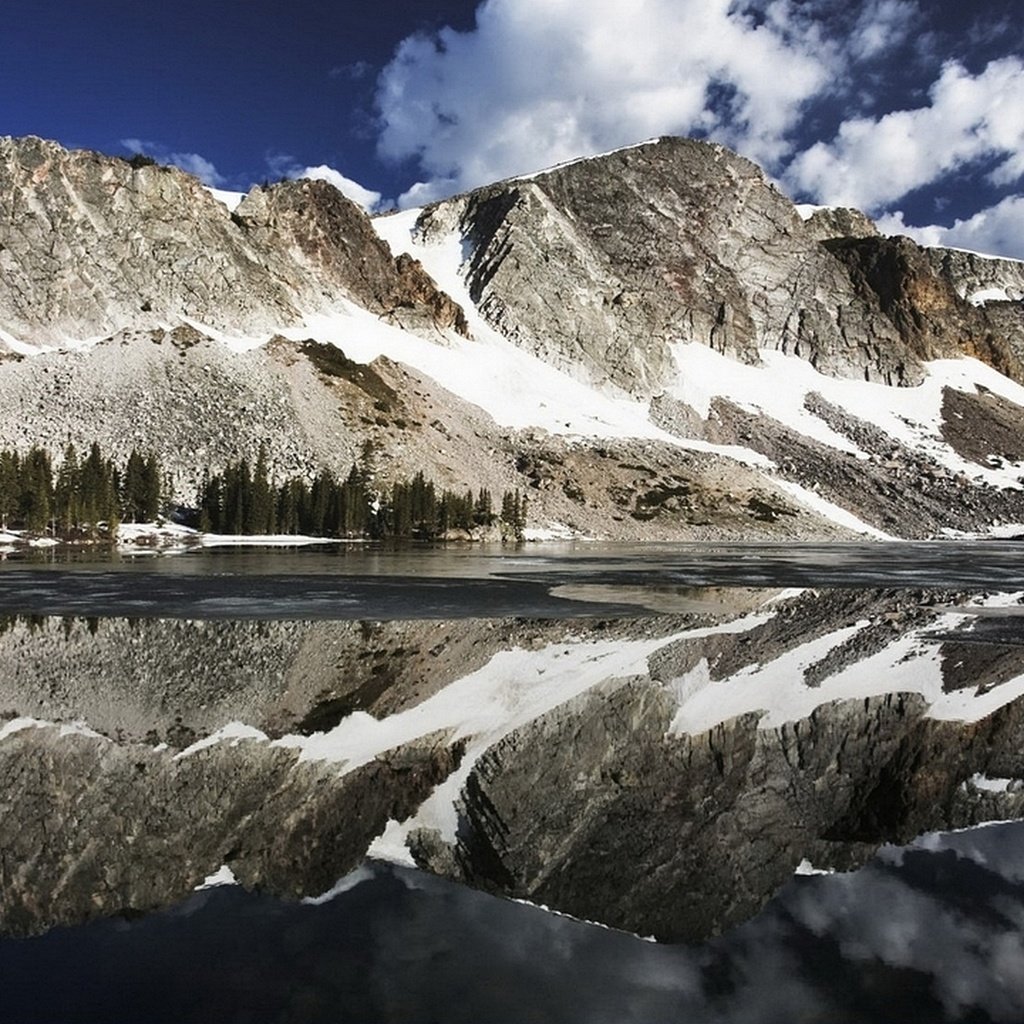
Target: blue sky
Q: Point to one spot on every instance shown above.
(911, 110)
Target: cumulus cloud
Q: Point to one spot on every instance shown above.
(970, 119)
(364, 197)
(997, 230)
(193, 163)
(880, 25)
(284, 166)
(538, 82)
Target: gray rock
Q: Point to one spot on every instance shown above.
(840, 222)
(90, 245)
(599, 266)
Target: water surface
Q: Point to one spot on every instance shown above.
(661, 740)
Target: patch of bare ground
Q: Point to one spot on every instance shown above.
(983, 427)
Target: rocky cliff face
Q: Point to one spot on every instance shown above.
(602, 264)
(974, 275)
(900, 279)
(90, 245)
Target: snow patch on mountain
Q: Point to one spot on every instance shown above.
(984, 295)
(829, 510)
(514, 387)
(780, 386)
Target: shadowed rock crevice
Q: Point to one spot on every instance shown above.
(933, 320)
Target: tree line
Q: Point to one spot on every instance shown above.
(243, 500)
(93, 495)
(84, 495)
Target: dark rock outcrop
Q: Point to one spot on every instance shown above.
(899, 278)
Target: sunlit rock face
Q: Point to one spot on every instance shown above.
(602, 264)
(92, 244)
(909, 287)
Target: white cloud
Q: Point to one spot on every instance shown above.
(881, 25)
(424, 192)
(198, 165)
(364, 197)
(193, 163)
(284, 166)
(998, 230)
(542, 81)
(872, 162)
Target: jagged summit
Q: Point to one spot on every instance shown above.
(91, 244)
(678, 239)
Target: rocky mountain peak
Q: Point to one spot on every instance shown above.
(90, 245)
(560, 261)
(840, 222)
(600, 265)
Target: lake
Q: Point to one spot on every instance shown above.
(747, 783)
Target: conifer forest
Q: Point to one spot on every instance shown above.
(91, 496)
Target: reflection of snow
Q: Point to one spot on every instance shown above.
(222, 876)
(514, 688)
(990, 785)
(16, 725)
(776, 690)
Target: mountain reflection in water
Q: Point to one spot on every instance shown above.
(929, 933)
(663, 771)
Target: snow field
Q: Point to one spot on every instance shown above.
(779, 387)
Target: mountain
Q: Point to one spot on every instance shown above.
(654, 343)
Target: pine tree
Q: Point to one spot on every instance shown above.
(259, 516)
(211, 503)
(94, 487)
(288, 508)
(10, 487)
(513, 515)
(483, 508)
(423, 512)
(36, 490)
(355, 512)
(132, 491)
(150, 498)
(321, 497)
(110, 497)
(67, 492)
